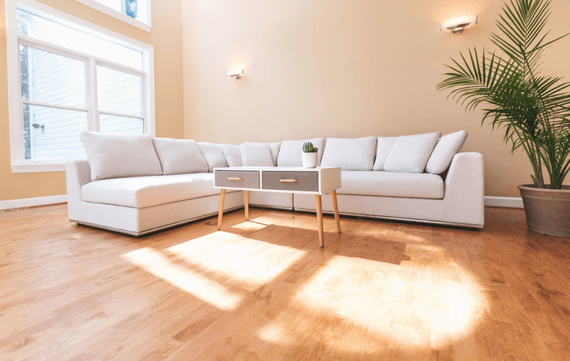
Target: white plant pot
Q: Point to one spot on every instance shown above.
(310, 160)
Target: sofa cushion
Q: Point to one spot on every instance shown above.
(410, 153)
(141, 192)
(291, 152)
(233, 154)
(390, 184)
(256, 155)
(384, 147)
(113, 155)
(178, 156)
(349, 154)
(213, 155)
(446, 147)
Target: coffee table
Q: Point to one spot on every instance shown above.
(317, 181)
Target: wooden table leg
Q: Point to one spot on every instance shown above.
(318, 200)
(335, 208)
(221, 211)
(246, 204)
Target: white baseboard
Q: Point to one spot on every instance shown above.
(32, 202)
(511, 202)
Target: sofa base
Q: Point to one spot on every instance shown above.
(395, 208)
(157, 229)
(388, 218)
(141, 221)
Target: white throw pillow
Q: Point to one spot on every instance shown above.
(446, 147)
(114, 155)
(179, 156)
(232, 154)
(291, 152)
(256, 155)
(349, 154)
(213, 155)
(410, 153)
(385, 145)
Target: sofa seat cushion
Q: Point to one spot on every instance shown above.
(141, 192)
(392, 184)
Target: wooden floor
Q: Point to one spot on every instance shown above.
(264, 290)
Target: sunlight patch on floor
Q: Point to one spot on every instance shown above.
(183, 278)
(431, 302)
(249, 226)
(402, 236)
(248, 260)
(216, 266)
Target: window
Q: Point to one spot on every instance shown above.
(66, 76)
(134, 12)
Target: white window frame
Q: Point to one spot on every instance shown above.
(145, 25)
(13, 40)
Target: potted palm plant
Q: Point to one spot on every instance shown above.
(532, 108)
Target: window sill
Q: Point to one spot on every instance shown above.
(118, 15)
(35, 168)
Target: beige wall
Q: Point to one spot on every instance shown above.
(344, 68)
(166, 38)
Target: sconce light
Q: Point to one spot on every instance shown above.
(457, 25)
(236, 73)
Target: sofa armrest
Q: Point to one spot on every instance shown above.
(464, 198)
(77, 174)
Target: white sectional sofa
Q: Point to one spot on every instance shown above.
(138, 184)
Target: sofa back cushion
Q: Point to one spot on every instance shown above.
(350, 154)
(256, 155)
(385, 145)
(291, 152)
(179, 156)
(233, 154)
(213, 155)
(446, 147)
(115, 155)
(410, 153)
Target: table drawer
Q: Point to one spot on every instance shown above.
(291, 181)
(237, 179)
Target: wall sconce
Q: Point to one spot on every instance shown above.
(457, 25)
(236, 73)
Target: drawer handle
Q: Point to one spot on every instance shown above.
(236, 179)
(288, 180)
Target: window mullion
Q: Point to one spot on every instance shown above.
(50, 48)
(105, 112)
(91, 84)
(70, 53)
(145, 110)
(54, 105)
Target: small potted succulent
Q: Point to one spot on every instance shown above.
(310, 155)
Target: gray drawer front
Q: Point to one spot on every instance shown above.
(306, 181)
(250, 179)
